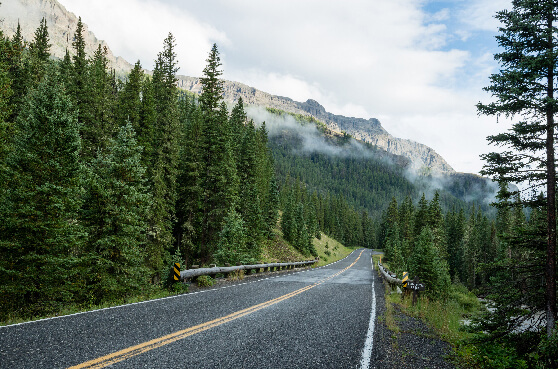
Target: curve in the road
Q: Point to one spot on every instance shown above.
(132, 351)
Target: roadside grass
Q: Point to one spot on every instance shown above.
(329, 250)
(446, 318)
(278, 250)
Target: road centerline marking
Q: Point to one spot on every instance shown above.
(132, 351)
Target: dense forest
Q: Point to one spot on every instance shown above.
(104, 183)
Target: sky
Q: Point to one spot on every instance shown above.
(418, 66)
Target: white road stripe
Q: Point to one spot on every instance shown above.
(367, 351)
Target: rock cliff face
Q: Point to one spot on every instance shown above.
(62, 25)
(367, 130)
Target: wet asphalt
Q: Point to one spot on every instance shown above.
(324, 326)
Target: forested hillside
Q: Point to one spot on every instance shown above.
(366, 177)
(106, 182)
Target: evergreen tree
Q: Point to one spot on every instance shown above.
(115, 213)
(524, 88)
(6, 93)
(455, 229)
(40, 52)
(190, 189)
(18, 71)
(220, 179)
(421, 216)
(231, 247)
(130, 101)
(165, 156)
(426, 263)
(39, 234)
(103, 99)
(435, 222)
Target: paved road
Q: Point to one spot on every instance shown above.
(318, 318)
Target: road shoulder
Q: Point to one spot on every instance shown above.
(406, 342)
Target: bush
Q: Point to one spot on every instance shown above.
(547, 351)
(492, 355)
(205, 281)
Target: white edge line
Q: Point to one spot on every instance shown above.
(146, 301)
(368, 344)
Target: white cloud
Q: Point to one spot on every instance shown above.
(366, 58)
(479, 14)
(135, 29)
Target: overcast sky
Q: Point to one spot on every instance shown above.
(417, 65)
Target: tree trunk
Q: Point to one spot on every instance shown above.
(551, 194)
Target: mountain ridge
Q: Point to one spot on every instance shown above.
(63, 23)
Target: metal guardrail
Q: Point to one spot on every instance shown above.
(192, 273)
(389, 276)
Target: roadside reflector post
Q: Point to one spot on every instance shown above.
(405, 279)
(177, 271)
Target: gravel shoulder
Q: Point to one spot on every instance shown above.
(413, 344)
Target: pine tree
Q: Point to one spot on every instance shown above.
(232, 244)
(190, 187)
(18, 71)
(80, 91)
(421, 216)
(39, 232)
(102, 99)
(426, 263)
(6, 93)
(212, 90)
(165, 156)
(130, 100)
(40, 52)
(115, 213)
(220, 179)
(435, 222)
(524, 88)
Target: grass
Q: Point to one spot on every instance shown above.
(329, 250)
(444, 317)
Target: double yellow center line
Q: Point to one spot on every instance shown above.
(132, 351)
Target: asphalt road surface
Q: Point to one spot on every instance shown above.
(316, 318)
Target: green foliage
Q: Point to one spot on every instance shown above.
(426, 263)
(204, 281)
(39, 234)
(547, 351)
(232, 245)
(525, 88)
(497, 356)
(115, 212)
(104, 184)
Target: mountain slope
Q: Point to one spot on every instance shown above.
(62, 25)
(369, 131)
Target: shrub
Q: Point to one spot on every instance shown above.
(205, 281)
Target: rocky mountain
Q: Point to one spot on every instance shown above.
(62, 25)
(367, 130)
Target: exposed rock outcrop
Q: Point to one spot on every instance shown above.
(61, 24)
